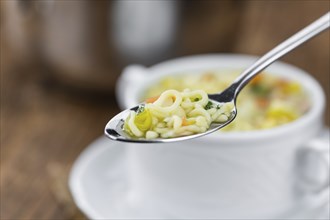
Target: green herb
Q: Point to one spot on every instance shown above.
(209, 105)
(260, 90)
(218, 107)
(196, 99)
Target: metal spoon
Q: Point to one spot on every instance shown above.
(114, 128)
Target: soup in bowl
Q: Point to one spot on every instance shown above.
(251, 166)
(267, 101)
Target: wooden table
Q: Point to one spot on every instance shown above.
(45, 126)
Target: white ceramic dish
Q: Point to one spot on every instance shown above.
(100, 186)
(226, 170)
(234, 175)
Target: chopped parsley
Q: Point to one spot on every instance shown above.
(260, 90)
(209, 105)
(196, 99)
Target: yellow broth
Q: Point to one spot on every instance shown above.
(266, 102)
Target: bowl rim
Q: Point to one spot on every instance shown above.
(197, 62)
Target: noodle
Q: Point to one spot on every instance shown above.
(176, 114)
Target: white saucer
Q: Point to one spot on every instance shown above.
(99, 185)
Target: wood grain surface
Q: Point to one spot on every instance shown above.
(45, 126)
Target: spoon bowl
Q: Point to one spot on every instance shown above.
(114, 128)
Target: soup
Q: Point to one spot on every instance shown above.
(266, 102)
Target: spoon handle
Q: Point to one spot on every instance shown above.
(291, 43)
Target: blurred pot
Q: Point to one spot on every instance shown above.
(86, 44)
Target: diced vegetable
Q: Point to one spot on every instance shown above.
(260, 90)
(143, 120)
(151, 99)
(281, 114)
(208, 105)
(185, 122)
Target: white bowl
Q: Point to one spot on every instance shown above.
(254, 172)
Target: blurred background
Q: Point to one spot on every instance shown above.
(60, 61)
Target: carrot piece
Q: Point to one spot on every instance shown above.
(257, 79)
(185, 122)
(263, 103)
(209, 76)
(151, 99)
